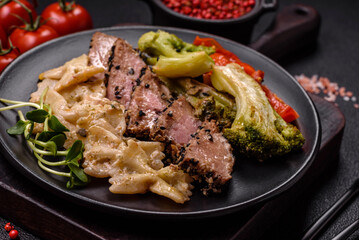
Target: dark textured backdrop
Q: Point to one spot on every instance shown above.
(335, 56)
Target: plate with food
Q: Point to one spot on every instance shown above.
(156, 121)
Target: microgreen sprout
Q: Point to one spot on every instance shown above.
(49, 142)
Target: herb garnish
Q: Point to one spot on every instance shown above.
(47, 143)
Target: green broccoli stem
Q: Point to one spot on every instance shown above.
(221, 98)
(192, 64)
(257, 130)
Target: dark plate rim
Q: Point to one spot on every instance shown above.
(108, 208)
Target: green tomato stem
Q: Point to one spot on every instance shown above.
(6, 51)
(29, 12)
(3, 3)
(66, 7)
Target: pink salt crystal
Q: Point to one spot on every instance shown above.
(342, 91)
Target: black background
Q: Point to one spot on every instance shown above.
(336, 56)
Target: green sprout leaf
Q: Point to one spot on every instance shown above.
(19, 128)
(78, 172)
(49, 145)
(76, 182)
(47, 135)
(38, 115)
(49, 141)
(70, 183)
(52, 147)
(55, 125)
(75, 151)
(59, 140)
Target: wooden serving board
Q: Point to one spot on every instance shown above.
(49, 217)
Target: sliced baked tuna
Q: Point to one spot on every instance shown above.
(125, 68)
(208, 157)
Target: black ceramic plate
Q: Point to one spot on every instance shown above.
(252, 182)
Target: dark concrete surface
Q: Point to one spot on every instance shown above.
(336, 56)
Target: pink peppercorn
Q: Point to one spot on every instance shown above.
(211, 9)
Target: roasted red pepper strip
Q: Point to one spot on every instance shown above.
(283, 109)
(222, 57)
(209, 42)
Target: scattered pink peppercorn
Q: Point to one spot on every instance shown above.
(8, 227)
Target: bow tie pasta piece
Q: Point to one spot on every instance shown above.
(73, 72)
(79, 102)
(138, 177)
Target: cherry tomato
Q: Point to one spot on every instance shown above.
(3, 38)
(67, 18)
(13, 234)
(6, 57)
(25, 40)
(8, 10)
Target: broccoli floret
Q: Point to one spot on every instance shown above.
(209, 108)
(162, 43)
(173, 57)
(257, 130)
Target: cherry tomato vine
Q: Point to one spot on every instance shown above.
(13, 13)
(31, 33)
(67, 17)
(13, 233)
(20, 24)
(7, 55)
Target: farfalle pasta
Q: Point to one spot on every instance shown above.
(77, 99)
